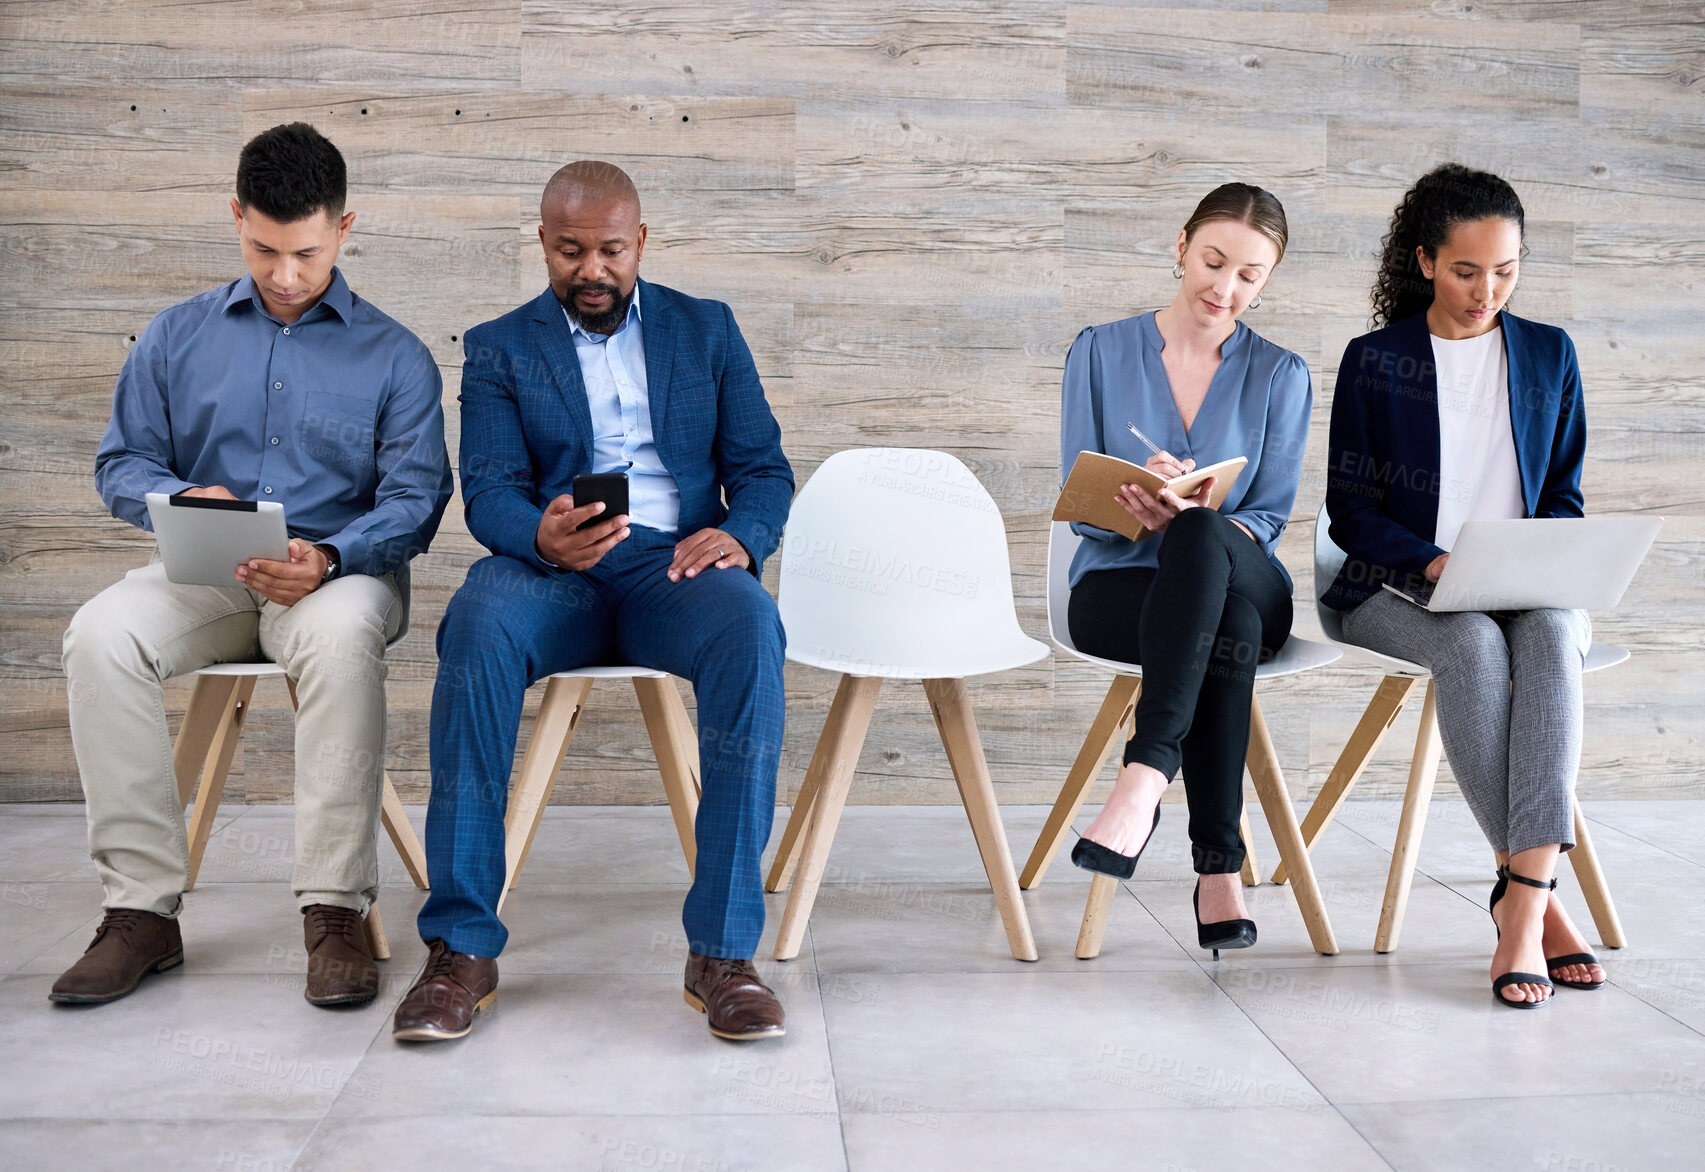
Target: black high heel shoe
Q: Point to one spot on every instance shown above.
(1092, 856)
(1221, 933)
(1512, 978)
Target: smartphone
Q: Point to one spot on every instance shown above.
(609, 487)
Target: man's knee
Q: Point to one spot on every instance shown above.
(99, 633)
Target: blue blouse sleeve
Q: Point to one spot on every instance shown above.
(1266, 506)
(1080, 419)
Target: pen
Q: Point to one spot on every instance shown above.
(1133, 430)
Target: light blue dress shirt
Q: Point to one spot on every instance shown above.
(1257, 406)
(336, 416)
(613, 368)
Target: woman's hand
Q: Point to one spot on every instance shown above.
(1436, 568)
(1168, 466)
(1155, 514)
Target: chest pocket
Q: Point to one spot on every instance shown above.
(337, 427)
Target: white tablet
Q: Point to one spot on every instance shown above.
(203, 540)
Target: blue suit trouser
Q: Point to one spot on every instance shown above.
(513, 623)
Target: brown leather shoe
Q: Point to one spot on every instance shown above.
(452, 988)
(740, 1007)
(128, 945)
(341, 969)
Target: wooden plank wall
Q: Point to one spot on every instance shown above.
(912, 209)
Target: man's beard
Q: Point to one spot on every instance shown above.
(607, 322)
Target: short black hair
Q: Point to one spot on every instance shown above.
(290, 172)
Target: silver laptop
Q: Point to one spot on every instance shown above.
(203, 540)
(1570, 563)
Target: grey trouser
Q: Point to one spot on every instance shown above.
(1508, 694)
(143, 630)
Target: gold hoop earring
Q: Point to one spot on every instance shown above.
(1178, 272)
(1256, 304)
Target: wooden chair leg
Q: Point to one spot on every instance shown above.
(672, 738)
(375, 930)
(1380, 714)
(1104, 735)
(1423, 770)
(1251, 872)
(394, 817)
(1282, 821)
(559, 713)
(209, 706)
(787, 850)
(215, 765)
(1590, 876)
(951, 704)
(1102, 889)
(842, 738)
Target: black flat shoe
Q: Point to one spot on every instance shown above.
(1553, 963)
(1221, 933)
(1505, 875)
(1092, 856)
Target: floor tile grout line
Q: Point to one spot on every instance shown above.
(829, 1051)
(384, 1020)
(1599, 819)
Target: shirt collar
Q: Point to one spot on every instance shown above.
(633, 315)
(338, 297)
(1151, 335)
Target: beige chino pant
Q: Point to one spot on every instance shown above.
(143, 630)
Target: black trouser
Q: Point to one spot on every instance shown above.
(1198, 625)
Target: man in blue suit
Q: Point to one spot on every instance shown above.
(604, 372)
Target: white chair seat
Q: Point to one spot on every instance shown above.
(610, 673)
(1002, 652)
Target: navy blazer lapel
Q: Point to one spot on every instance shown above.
(1421, 422)
(1529, 423)
(659, 355)
(556, 343)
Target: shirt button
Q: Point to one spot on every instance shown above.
(287, 331)
(275, 441)
(278, 386)
(267, 490)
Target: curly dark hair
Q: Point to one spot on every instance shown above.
(290, 172)
(1448, 195)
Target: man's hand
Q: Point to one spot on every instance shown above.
(707, 547)
(216, 491)
(286, 583)
(1436, 568)
(562, 543)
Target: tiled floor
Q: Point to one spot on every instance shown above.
(914, 1040)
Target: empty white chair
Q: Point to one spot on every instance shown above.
(1399, 683)
(894, 566)
(1110, 729)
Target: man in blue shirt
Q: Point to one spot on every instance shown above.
(282, 386)
(604, 372)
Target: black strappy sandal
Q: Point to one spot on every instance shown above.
(1553, 963)
(1505, 875)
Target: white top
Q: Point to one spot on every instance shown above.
(1479, 479)
(618, 395)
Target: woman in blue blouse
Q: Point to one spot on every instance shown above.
(1457, 410)
(1201, 599)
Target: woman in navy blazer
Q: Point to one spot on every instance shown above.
(1458, 410)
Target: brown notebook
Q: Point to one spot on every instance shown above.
(1091, 489)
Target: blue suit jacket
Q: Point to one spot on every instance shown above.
(1382, 473)
(527, 429)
